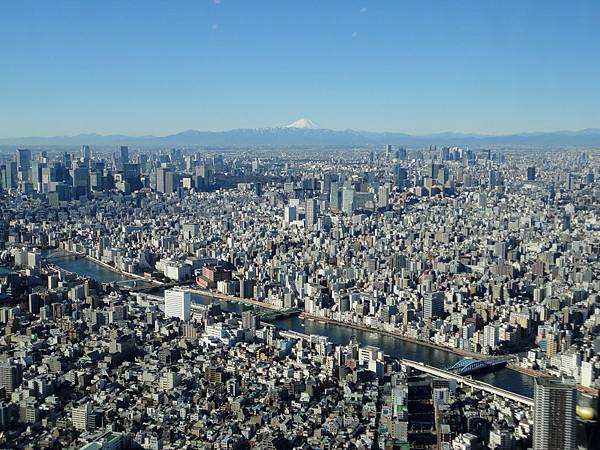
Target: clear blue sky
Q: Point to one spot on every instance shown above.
(150, 67)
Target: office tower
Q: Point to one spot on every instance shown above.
(531, 173)
(81, 181)
(383, 196)
(312, 212)
(23, 159)
(250, 320)
(10, 376)
(348, 200)
(178, 304)
(131, 175)
(8, 175)
(218, 164)
(445, 153)
(86, 153)
(400, 177)
(554, 422)
(433, 304)
(388, 151)
(326, 183)
(290, 214)
(493, 179)
(401, 154)
(164, 180)
(124, 154)
(570, 182)
(335, 195)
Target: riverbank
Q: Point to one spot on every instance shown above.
(455, 351)
(233, 298)
(107, 266)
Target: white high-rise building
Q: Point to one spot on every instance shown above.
(178, 304)
(491, 336)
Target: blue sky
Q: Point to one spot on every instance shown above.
(159, 67)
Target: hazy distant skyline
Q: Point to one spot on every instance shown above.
(138, 68)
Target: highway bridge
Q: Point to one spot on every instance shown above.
(465, 381)
(441, 373)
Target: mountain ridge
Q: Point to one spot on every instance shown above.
(305, 134)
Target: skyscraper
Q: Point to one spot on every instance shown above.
(312, 212)
(348, 200)
(531, 173)
(23, 159)
(554, 423)
(86, 153)
(124, 150)
(164, 181)
(178, 304)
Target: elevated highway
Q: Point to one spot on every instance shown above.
(466, 381)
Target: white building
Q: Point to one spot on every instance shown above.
(178, 304)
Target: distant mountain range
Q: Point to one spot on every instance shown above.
(306, 132)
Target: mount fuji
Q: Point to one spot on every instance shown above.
(305, 124)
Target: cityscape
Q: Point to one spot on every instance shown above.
(299, 225)
(379, 297)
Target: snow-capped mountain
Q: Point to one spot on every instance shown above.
(303, 123)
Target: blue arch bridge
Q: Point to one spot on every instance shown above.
(468, 366)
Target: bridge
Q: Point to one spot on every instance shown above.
(466, 381)
(268, 315)
(441, 373)
(62, 257)
(472, 365)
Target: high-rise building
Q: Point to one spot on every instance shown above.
(388, 151)
(335, 195)
(86, 153)
(81, 416)
(400, 177)
(10, 376)
(531, 173)
(312, 212)
(250, 320)
(124, 154)
(178, 304)
(81, 181)
(433, 304)
(348, 200)
(491, 336)
(290, 214)
(383, 196)
(554, 422)
(23, 159)
(164, 180)
(493, 178)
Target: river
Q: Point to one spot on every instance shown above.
(82, 266)
(504, 378)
